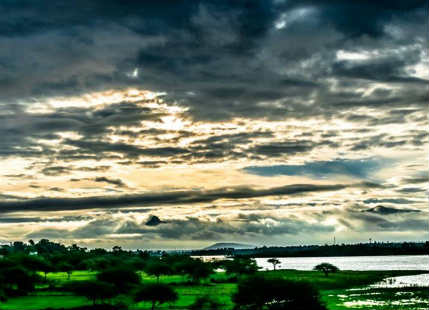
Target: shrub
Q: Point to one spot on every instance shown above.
(92, 290)
(156, 293)
(257, 292)
(122, 278)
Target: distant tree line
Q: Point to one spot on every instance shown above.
(359, 249)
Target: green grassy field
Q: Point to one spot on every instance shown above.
(344, 290)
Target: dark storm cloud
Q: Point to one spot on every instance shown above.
(409, 190)
(347, 16)
(220, 58)
(22, 129)
(416, 180)
(399, 201)
(384, 70)
(130, 150)
(56, 170)
(387, 210)
(117, 182)
(93, 169)
(376, 221)
(283, 148)
(387, 141)
(18, 220)
(176, 197)
(195, 229)
(188, 229)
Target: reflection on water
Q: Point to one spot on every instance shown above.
(404, 281)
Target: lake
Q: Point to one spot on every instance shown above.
(358, 263)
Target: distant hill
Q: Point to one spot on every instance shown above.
(237, 246)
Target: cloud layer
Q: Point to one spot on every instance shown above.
(298, 119)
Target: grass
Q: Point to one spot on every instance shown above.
(335, 291)
(340, 280)
(36, 302)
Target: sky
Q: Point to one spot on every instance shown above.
(265, 122)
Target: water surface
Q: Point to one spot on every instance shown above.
(358, 263)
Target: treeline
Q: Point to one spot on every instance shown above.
(360, 249)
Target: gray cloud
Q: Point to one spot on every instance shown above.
(189, 229)
(268, 60)
(117, 182)
(176, 197)
(387, 210)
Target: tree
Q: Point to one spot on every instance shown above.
(67, 268)
(117, 250)
(17, 280)
(46, 267)
(241, 266)
(157, 269)
(257, 292)
(156, 293)
(197, 269)
(121, 278)
(92, 290)
(274, 262)
(327, 268)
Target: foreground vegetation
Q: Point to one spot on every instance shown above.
(334, 291)
(65, 278)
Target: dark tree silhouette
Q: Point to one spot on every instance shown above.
(121, 278)
(197, 269)
(92, 290)
(241, 266)
(326, 268)
(274, 262)
(17, 280)
(258, 292)
(157, 269)
(46, 267)
(156, 293)
(67, 268)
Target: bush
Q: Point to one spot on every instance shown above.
(17, 280)
(92, 290)
(122, 278)
(156, 294)
(257, 292)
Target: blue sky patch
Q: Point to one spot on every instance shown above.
(358, 168)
